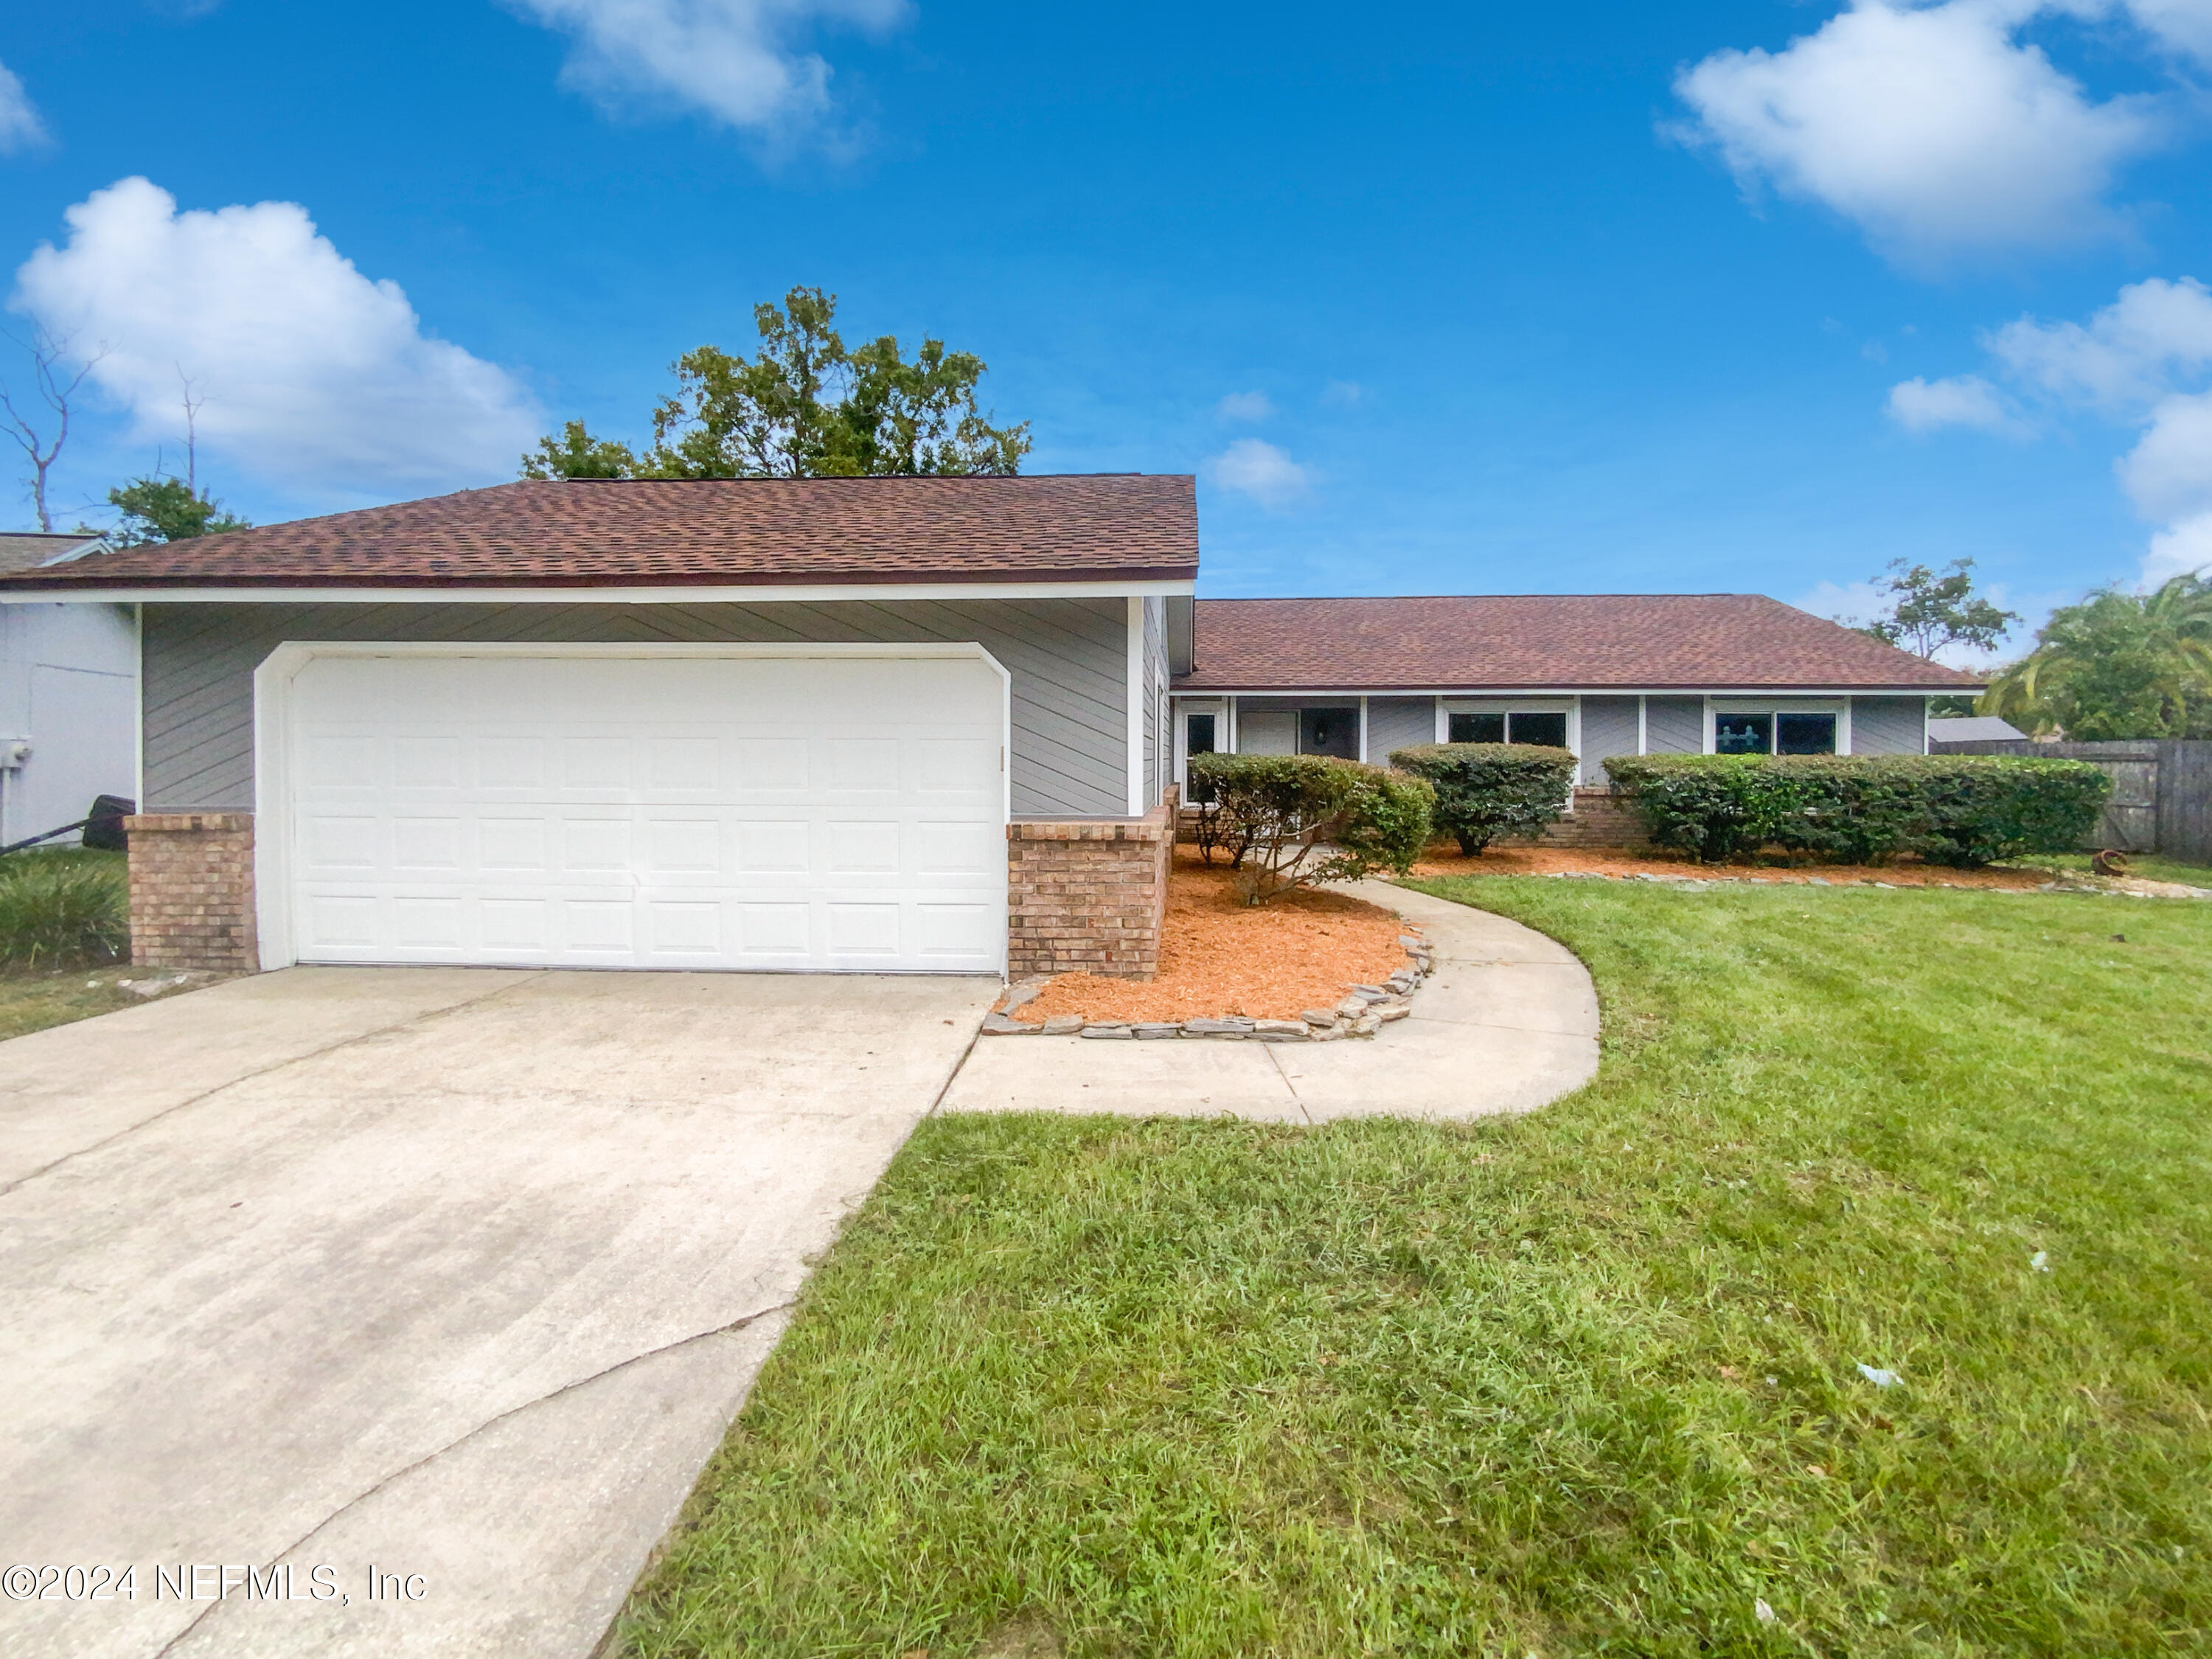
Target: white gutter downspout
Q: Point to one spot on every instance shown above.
(1136, 706)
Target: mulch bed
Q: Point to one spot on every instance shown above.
(1219, 958)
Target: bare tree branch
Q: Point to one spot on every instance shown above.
(193, 407)
(50, 356)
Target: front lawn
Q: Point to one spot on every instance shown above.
(1582, 1382)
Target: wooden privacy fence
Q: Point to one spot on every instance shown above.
(2162, 791)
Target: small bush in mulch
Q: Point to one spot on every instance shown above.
(64, 909)
(1963, 811)
(1486, 790)
(1285, 821)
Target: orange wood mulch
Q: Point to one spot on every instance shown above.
(1445, 860)
(1219, 957)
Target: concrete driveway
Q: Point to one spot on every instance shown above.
(452, 1277)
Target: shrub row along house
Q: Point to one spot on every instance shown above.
(860, 725)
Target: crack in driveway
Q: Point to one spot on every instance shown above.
(489, 1422)
(270, 1070)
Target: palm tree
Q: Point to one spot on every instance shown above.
(2116, 665)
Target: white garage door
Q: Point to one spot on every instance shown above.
(810, 813)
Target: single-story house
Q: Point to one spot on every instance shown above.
(839, 724)
(68, 696)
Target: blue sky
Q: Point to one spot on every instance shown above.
(1467, 298)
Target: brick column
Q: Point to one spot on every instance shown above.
(1087, 895)
(191, 891)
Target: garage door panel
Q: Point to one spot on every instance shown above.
(775, 933)
(770, 765)
(335, 844)
(859, 766)
(774, 846)
(966, 849)
(961, 931)
(512, 843)
(589, 844)
(423, 844)
(605, 929)
(771, 813)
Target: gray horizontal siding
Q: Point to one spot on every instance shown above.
(1889, 725)
(1674, 725)
(1399, 723)
(1608, 728)
(1067, 658)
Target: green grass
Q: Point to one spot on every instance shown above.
(64, 908)
(1583, 1382)
(33, 1001)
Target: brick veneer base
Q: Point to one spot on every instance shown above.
(192, 891)
(1601, 818)
(1087, 895)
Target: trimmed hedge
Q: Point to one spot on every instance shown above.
(1958, 810)
(1486, 790)
(1285, 820)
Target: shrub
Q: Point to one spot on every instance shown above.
(64, 909)
(1960, 810)
(1486, 790)
(1286, 820)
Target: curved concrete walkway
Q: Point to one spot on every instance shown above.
(1506, 1023)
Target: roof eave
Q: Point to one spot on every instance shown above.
(643, 588)
(1577, 687)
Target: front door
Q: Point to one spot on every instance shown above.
(1329, 732)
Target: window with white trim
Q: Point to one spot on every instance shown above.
(1782, 732)
(1513, 725)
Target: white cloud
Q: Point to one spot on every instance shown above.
(1932, 127)
(2144, 360)
(2184, 25)
(1854, 602)
(1343, 394)
(1255, 468)
(737, 61)
(2168, 474)
(1244, 406)
(317, 379)
(2125, 353)
(2179, 549)
(20, 126)
(1968, 400)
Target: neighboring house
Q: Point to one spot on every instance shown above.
(1974, 728)
(68, 697)
(854, 724)
(1601, 674)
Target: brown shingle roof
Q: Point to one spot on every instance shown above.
(708, 532)
(24, 550)
(1653, 642)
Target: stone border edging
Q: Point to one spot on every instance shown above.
(1365, 1010)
